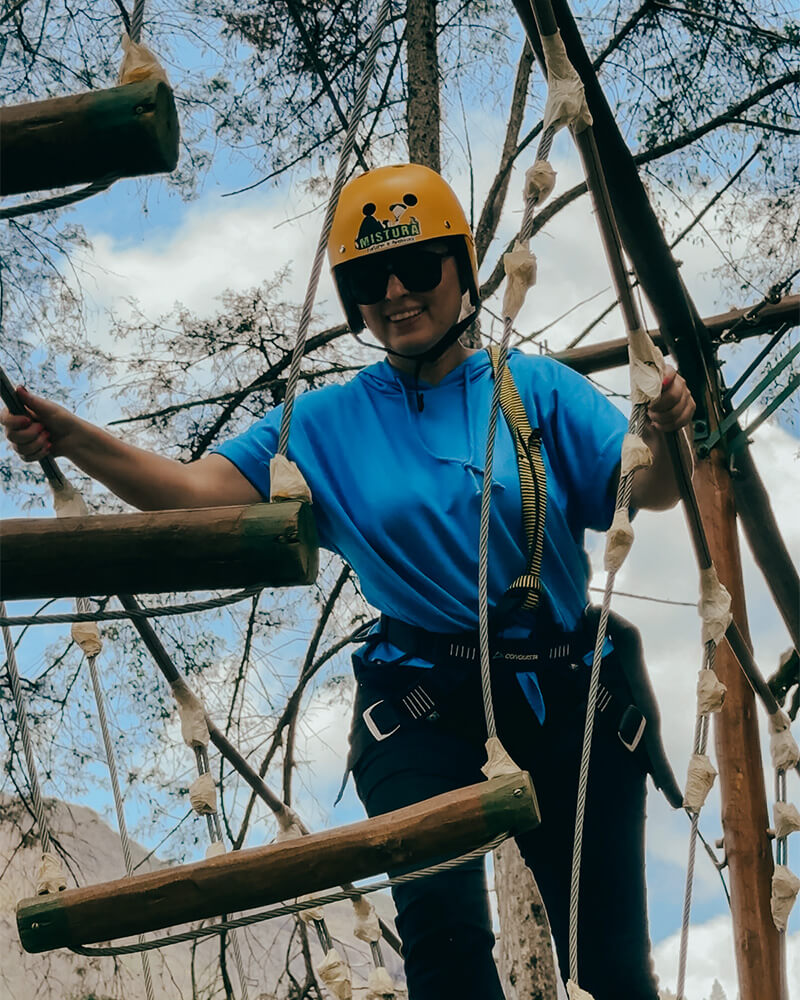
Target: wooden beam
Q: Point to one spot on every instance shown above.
(124, 131)
(270, 545)
(443, 827)
(765, 541)
(744, 813)
(614, 353)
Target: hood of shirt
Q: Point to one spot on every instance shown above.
(456, 395)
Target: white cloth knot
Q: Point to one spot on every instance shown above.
(787, 819)
(710, 692)
(618, 541)
(87, 635)
(380, 985)
(699, 781)
(368, 927)
(646, 367)
(203, 794)
(540, 179)
(336, 975)
(785, 886)
(194, 728)
(520, 268)
(714, 606)
(566, 101)
(286, 481)
(50, 877)
(635, 455)
(139, 63)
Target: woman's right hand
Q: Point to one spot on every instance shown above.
(42, 432)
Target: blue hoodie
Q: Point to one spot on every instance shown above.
(397, 491)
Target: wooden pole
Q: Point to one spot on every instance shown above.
(440, 828)
(271, 545)
(741, 774)
(757, 942)
(124, 131)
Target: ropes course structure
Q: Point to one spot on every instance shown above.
(462, 825)
(542, 27)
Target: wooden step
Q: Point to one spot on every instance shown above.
(127, 131)
(267, 544)
(404, 840)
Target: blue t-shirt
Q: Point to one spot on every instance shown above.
(397, 491)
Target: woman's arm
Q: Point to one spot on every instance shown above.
(141, 478)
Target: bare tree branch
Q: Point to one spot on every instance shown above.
(307, 672)
(495, 199)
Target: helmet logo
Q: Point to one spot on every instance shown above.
(399, 228)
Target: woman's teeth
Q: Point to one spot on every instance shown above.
(409, 314)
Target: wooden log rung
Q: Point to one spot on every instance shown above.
(446, 826)
(268, 544)
(124, 131)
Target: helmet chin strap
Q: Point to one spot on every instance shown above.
(431, 354)
(442, 344)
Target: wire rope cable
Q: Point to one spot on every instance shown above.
(698, 747)
(319, 255)
(624, 492)
(25, 736)
(525, 232)
(291, 908)
(165, 611)
(111, 764)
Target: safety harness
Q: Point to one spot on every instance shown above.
(427, 699)
(524, 591)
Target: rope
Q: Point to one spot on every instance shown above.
(59, 201)
(137, 21)
(215, 836)
(109, 616)
(111, 763)
(525, 232)
(25, 736)
(699, 746)
(319, 256)
(624, 492)
(291, 908)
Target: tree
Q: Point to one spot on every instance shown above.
(696, 92)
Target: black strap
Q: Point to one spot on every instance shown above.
(463, 647)
(426, 700)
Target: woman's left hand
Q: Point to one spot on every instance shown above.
(675, 407)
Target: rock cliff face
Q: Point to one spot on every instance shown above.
(182, 972)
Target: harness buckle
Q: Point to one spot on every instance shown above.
(372, 726)
(631, 727)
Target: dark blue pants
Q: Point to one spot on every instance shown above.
(444, 921)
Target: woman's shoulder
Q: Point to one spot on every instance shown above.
(337, 396)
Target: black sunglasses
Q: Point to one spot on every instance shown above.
(419, 270)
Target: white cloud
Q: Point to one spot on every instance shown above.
(711, 956)
(218, 245)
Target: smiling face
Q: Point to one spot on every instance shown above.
(412, 322)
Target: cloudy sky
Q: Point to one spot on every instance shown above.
(191, 253)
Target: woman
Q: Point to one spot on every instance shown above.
(394, 459)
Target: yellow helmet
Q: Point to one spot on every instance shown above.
(392, 207)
